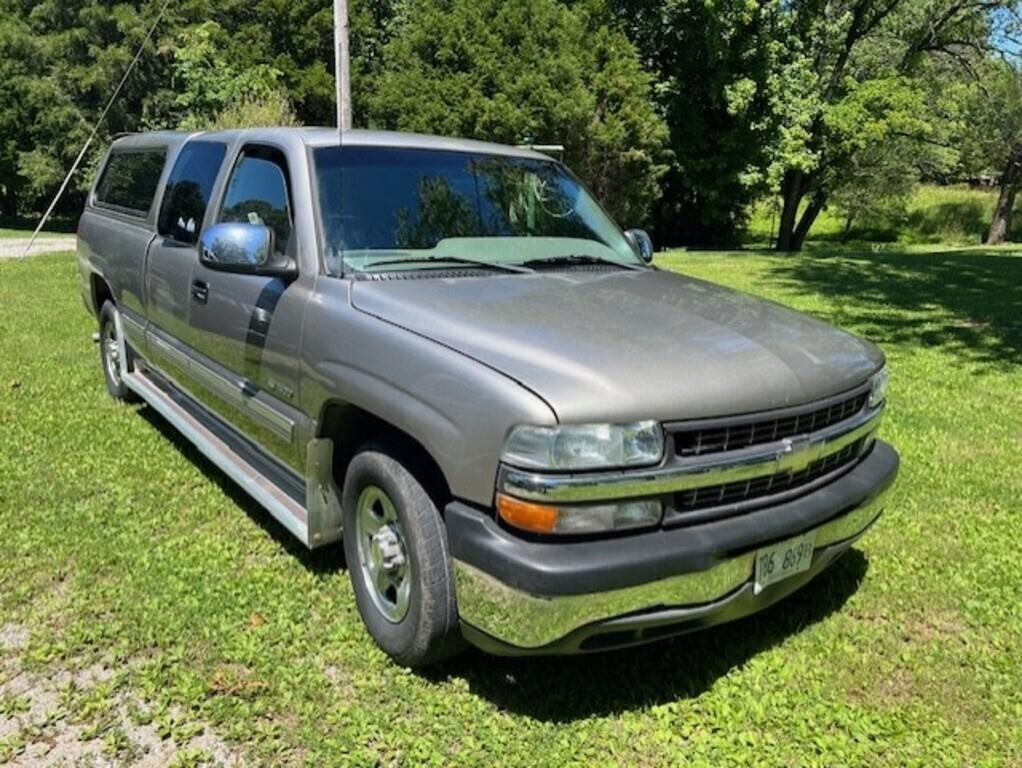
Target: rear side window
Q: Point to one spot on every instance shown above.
(130, 179)
(188, 190)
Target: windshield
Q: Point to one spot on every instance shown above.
(391, 208)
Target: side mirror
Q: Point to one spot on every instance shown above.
(242, 248)
(641, 243)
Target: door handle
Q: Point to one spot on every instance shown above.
(200, 291)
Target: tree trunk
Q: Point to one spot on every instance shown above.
(1010, 179)
(792, 192)
(791, 234)
(808, 219)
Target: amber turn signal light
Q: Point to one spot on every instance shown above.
(538, 518)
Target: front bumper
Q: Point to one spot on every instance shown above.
(519, 597)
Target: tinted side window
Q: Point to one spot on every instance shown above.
(188, 190)
(130, 179)
(258, 194)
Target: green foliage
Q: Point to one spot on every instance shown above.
(701, 105)
(533, 70)
(49, 65)
(61, 59)
(882, 135)
(876, 185)
(271, 109)
(40, 170)
(713, 61)
(214, 94)
(208, 82)
(992, 118)
(125, 549)
(857, 68)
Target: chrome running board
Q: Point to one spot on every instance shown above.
(227, 457)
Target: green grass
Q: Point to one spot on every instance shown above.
(9, 234)
(953, 215)
(122, 547)
(6, 234)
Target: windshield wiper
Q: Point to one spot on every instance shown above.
(452, 260)
(577, 259)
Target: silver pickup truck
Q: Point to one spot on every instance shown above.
(531, 438)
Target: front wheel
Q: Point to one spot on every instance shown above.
(395, 544)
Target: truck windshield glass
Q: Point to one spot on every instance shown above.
(390, 208)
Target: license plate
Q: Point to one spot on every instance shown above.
(786, 558)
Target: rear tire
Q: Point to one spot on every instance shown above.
(110, 354)
(395, 544)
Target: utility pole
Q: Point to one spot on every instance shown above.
(342, 63)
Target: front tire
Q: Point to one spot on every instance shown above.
(395, 545)
(110, 347)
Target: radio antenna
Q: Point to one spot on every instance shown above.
(95, 130)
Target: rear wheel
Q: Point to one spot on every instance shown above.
(110, 347)
(395, 544)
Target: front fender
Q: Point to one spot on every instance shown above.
(457, 408)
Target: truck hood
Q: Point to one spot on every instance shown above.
(629, 345)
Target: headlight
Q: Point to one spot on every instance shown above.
(878, 387)
(584, 446)
(597, 518)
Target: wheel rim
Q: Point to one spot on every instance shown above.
(382, 554)
(111, 352)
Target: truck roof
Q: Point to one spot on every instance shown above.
(325, 137)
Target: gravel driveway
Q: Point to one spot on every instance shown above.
(14, 247)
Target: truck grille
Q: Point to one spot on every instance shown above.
(733, 437)
(760, 487)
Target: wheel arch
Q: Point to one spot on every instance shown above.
(352, 428)
(100, 291)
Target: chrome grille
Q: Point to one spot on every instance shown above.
(732, 437)
(768, 485)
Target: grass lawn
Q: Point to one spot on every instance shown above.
(11, 234)
(147, 595)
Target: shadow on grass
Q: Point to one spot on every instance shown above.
(323, 561)
(568, 688)
(969, 302)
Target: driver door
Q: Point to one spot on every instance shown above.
(246, 328)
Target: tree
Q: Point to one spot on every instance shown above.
(851, 66)
(530, 70)
(991, 135)
(61, 59)
(877, 186)
(713, 61)
(998, 114)
(208, 82)
(794, 96)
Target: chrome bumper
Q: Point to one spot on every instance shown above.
(504, 619)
